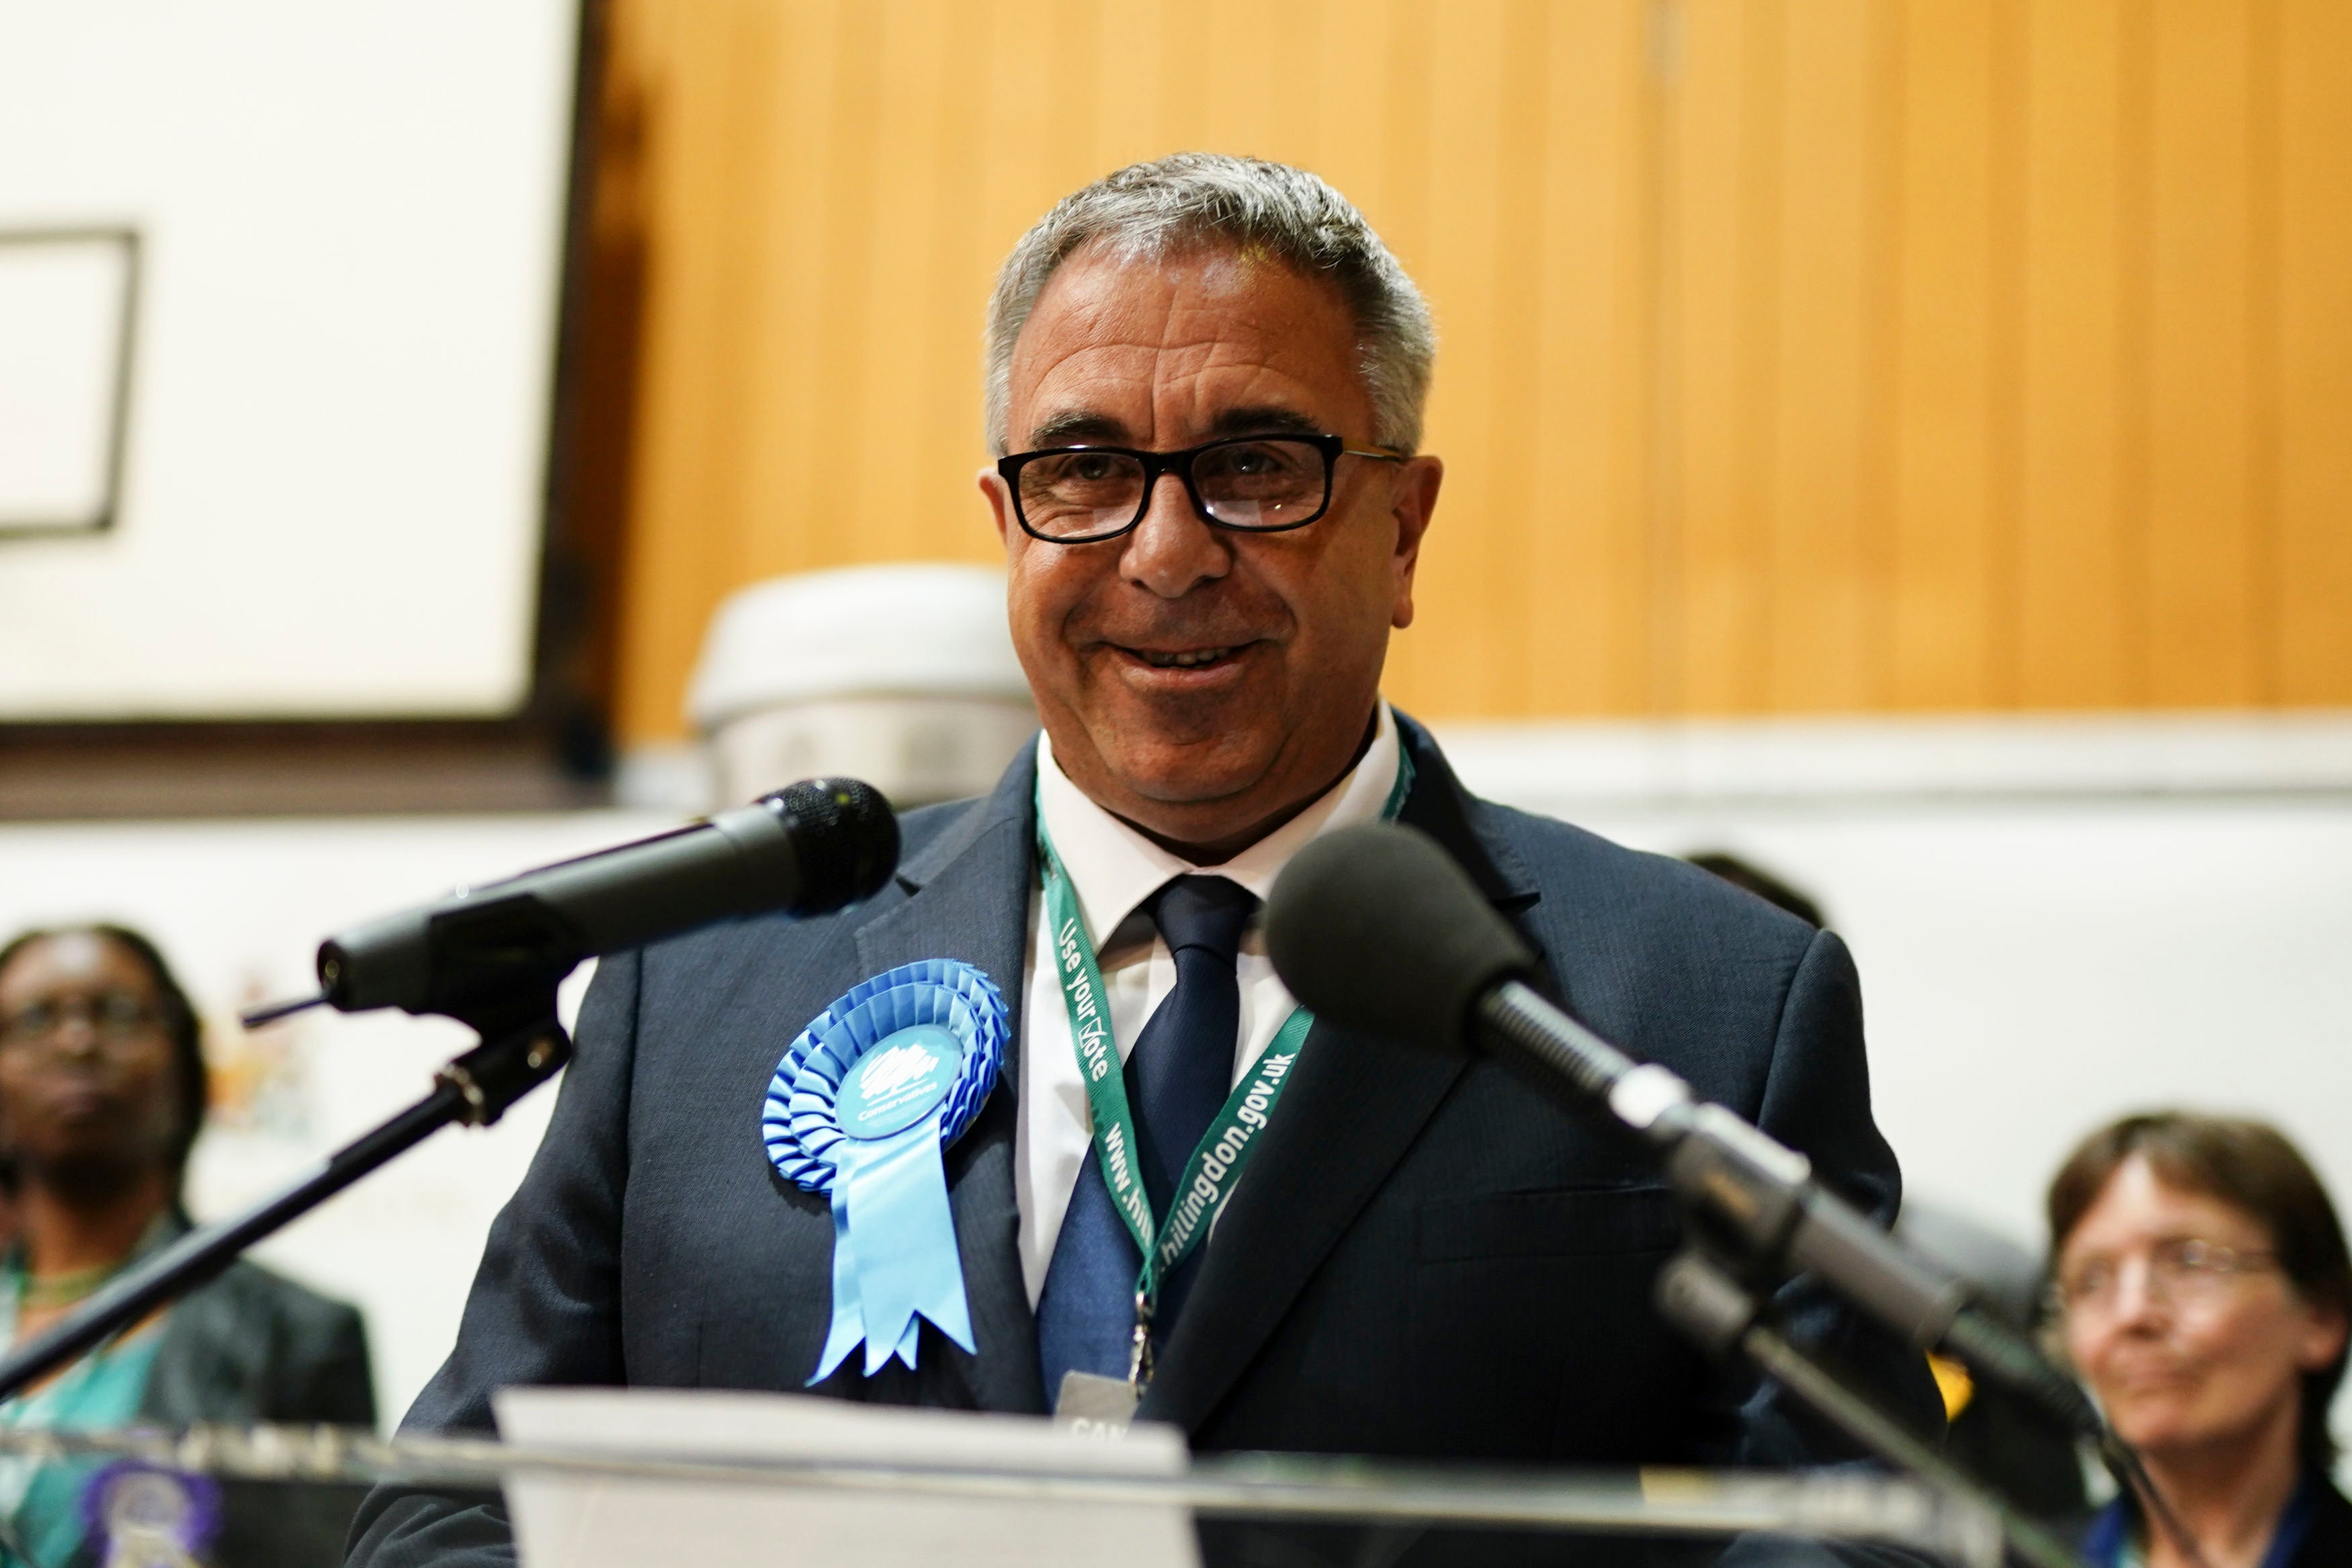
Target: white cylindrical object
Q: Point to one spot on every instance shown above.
(902, 676)
(913, 749)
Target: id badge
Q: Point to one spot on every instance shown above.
(1095, 1406)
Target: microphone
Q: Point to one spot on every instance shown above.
(808, 849)
(1378, 930)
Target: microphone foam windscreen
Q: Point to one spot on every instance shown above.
(1377, 929)
(845, 840)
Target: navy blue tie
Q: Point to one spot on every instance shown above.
(1177, 1076)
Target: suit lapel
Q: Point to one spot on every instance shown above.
(1356, 1105)
(968, 900)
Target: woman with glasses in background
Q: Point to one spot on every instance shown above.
(2204, 1291)
(103, 1092)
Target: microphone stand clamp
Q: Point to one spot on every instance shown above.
(1724, 1311)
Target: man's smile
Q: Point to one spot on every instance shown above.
(1183, 658)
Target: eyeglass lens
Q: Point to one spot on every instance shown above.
(2176, 1271)
(1266, 484)
(112, 1016)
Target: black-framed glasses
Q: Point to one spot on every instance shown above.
(1251, 484)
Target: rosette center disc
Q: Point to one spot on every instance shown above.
(898, 1081)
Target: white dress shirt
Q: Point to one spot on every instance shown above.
(1113, 870)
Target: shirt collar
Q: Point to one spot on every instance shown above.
(1113, 868)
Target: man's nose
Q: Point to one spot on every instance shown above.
(1171, 550)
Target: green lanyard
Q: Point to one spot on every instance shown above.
(1210, 1175)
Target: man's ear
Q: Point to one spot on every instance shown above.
(991, 484)
(1416, 498)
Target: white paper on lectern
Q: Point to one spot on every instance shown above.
(593, 1522)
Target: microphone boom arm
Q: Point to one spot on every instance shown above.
(1760, 1198)
(1766, 1200)
(1700, 1296)
(1379, 930)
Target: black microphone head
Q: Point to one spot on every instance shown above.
(845, 840)
(1377, 929)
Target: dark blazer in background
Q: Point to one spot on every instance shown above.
(1426, 1259)
(2328, 1543)
(2326, 1528)
(253, 1346)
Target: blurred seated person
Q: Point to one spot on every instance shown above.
(102, 1093)
(2202, 1278)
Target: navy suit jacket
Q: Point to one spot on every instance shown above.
(1426, 1259)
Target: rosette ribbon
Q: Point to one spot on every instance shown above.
(859, 1109)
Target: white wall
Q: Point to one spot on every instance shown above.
(2034, 960)
(2031, 970)
(352, 225)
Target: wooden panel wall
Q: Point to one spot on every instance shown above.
(1798, 355)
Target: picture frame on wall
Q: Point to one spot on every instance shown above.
(69, 327)
(290, 316)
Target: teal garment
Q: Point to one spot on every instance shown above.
(42, 1503)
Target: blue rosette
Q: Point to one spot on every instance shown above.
(860, 1108)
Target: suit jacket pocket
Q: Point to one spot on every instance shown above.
(1576, 1222)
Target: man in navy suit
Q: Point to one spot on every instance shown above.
(1205, 385)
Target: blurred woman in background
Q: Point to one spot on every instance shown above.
(103, 1092)
(2205, 1290)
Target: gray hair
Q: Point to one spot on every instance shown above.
(1150, 210)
